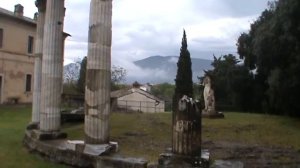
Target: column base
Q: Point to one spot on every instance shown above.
(73, 153)
(93, 149)
(167, 160)
(33, 126)
(43, 136)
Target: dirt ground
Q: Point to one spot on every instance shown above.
(253, 156)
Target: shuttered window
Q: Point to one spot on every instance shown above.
(30, 44)
(1, 38)
(28, 83)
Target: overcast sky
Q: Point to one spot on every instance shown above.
(143, 28)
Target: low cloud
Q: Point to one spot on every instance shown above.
(173, 60)
(143, 28)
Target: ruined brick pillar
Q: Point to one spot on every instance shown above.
(41, 5)
(52, 67)
(97, 90)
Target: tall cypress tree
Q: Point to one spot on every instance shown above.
(82, 74)
(183, 81)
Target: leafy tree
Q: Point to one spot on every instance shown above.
(232, 83)
(183, 81)
(118, 75)
(272, 47)
(70, 88)
(136, 84)
(164, 91)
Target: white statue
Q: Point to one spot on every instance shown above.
(209, 98)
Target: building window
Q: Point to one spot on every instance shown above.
(1, 38)
(28, 83)
(30, 44)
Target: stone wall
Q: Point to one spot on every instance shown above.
(13, 69)
(15, 61)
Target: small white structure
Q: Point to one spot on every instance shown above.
(146, 87)
(136, 99)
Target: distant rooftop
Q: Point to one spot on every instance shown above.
(127, 91)
(18, 17)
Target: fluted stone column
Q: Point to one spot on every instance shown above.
(97, 90)
(52, 67)
(41, 5)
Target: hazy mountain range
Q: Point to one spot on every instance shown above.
(71, 72)
(156, 69)
(166, 67)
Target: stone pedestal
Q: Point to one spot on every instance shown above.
(52, 67)
(91, 149)
(170, 160)
(98, 77)
(43, 136)
(78, 154)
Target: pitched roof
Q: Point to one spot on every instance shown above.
(124, 92)
(11, 14)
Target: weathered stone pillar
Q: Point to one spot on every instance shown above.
(186, 137)
(41, 5)
(187, 128)
(97, 90)
(52, 67)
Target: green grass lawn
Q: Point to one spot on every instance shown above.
(138, 135)
(147, 135)
(266, 130)
(152, 132)
(13, 121)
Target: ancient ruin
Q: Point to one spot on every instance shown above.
(96, 150)
(186, 140)
(186, 129)
(46, 114)
(41, 5)
(209, 110)
(52, 67)
(209, 96)
(97, 90)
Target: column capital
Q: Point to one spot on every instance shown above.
(41, 5)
